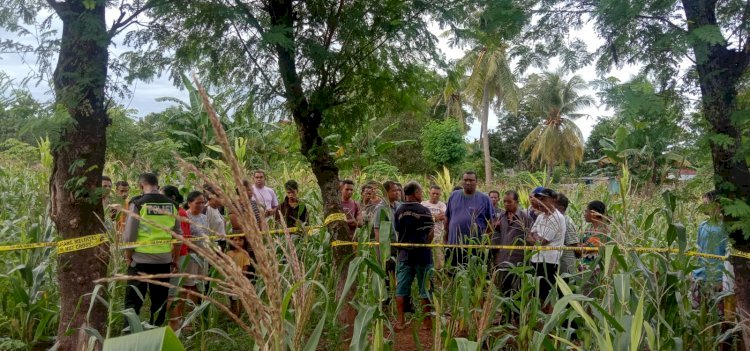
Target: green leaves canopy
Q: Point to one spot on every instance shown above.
(443, 143)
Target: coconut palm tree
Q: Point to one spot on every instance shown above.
(451, 98)
(556, 100)
(491, 81)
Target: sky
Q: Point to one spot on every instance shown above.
(143, 99)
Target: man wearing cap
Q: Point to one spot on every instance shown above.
(533, 213)
(548, 230)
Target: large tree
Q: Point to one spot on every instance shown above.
(714, 37)
(322, 62)
(79, 80)
(491, 82)
(557, 102)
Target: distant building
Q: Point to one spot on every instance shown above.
(682, 174)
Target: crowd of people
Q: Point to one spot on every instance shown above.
(154, 217)
(403, 214)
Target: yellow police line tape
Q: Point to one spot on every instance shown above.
(89, 241)
(546, 248)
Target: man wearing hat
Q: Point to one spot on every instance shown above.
(533, 213)
(548, 230)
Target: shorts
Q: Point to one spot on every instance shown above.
(405, 274)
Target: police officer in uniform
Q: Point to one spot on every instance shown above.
(158, 212)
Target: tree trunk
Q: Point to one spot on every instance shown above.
(484, 135)
(79, 79)
(308, 118)
(719, 72)
(550, 173)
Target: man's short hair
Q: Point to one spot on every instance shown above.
(388, 185)
(411, 188)
(291, 185)
(562, 201)
(105, 178)
(469, 173)
(494, 192)
(149, 179)
(365, 187)
(122, 183)
(512, 193)
(711, 196)
(259, 171)
(436, 187)
(598, 207)
(347, 182)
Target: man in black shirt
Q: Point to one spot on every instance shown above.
(414, 225)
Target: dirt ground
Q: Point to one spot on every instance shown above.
(406, 340)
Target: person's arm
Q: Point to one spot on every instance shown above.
(274, 201)
(489, 213)
(358, 215)
(304, 216)
(537, 233)
(446, 222)
(130, 233)
(274, 204)
(440, 216)
(431, 223)
(176, 247)
(218, 223)
(549, 231)
(376, 223)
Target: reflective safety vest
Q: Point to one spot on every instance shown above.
(155, 217)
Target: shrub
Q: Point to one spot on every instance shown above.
(443, 143)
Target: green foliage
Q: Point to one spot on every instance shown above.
(368, 148)
(649, 130)
(380, 169)
(159, 339)
(18, 150)
(28, 293)
(442, 143)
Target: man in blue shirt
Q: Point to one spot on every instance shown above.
(712, 239)
(468, 216)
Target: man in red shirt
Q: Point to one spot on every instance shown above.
(350, 207)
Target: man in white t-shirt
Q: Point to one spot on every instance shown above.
(548, 230)
(264, 195)
(437, 208)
